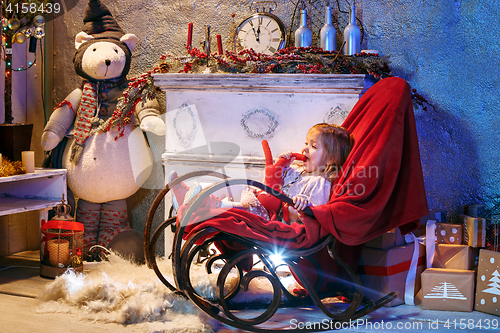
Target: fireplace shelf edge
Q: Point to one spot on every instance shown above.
(279, 83)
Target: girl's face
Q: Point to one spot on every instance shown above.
(314, 153)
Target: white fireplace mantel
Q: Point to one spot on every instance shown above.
(269, 83)
(220, 120)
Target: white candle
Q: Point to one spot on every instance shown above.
(28, 158)
(58, 251)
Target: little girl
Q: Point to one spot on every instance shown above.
(326, 149)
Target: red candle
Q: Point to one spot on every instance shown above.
(219, 44)
(190, 35)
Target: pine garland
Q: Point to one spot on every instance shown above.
(310, 60)
(292, 60)
(140, 89)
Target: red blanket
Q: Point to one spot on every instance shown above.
(379, 188)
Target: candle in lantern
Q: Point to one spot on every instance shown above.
(190, 36)
(28, 160)
(219, 44)
(58, 251)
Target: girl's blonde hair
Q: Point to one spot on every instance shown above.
(338, 143)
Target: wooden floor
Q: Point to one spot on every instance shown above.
(20, 284)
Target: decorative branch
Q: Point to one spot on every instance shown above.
(309, 60)
(140, 89)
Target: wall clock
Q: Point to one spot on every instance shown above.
(263, 32)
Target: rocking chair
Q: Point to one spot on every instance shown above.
(316, 251)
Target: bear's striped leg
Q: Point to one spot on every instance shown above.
(113, 221)
(89, 214)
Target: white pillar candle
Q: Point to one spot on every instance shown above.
(28, 158)
(58, 251)
(370, 51)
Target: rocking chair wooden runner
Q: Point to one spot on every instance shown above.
(384, 128)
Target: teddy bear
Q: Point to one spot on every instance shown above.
(105, 152)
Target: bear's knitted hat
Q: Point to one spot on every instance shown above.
(99, 22)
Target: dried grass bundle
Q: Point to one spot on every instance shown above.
(9, 168)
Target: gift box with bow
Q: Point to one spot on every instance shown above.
(385, 270)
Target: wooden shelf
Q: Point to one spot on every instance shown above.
(34, 191)
(39, 173)
(15, 205)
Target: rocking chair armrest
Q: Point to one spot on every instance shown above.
(159, 199)
(279, 195)
(205, 193)
(194, 174)
(193, 205)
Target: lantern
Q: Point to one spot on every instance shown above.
(61, 244)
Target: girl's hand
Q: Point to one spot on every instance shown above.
(287, 155)
(302, 216)
(299, 202)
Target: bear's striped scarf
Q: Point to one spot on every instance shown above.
(87, 114)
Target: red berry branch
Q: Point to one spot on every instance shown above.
(291, 60)
(139, 89)
(419, 99)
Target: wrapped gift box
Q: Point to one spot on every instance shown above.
(493, 234)
(449, 233)
(438, 215)
(453, 256)
(384, 241)
(475, 230)
(390, 239)
(383, 271)
(477, 210)
(448, 289)
(399, 239)
(488, 282)
(434, 214)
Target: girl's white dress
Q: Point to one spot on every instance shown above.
(296, 182)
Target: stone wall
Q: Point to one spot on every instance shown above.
(445, 49)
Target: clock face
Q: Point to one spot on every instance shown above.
(263, 32)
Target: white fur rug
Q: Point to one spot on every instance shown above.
(118, 291)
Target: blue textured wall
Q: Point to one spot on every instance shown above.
(449, 51)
